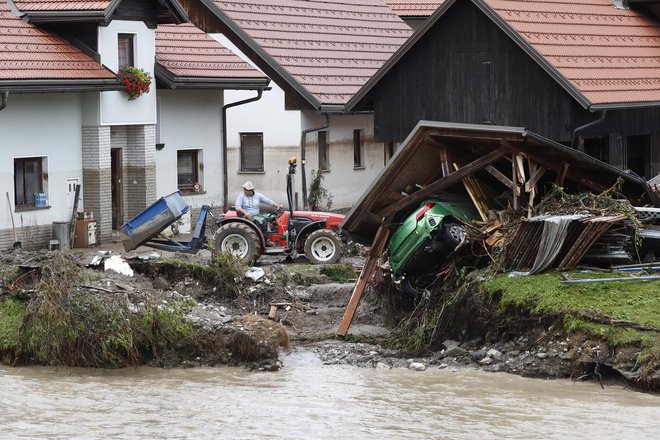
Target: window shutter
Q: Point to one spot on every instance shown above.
(252, 152)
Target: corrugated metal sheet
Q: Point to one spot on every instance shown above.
(609, 55)
(331, 48)
(186, 51)
(413, 8)
(27, 53)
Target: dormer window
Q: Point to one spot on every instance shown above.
(126, 49)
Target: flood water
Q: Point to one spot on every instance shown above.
(306, 400)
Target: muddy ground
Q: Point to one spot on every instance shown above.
(236, 329)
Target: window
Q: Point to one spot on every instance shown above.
(324, 154)
(187, 169)
(358, 149)
(28, 180)
(126, 50)
(252, 151)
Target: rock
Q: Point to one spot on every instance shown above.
(455, 351)
(494, 354)
(442, 366)
(417, 366)
(382, 366)
(477, 355)
(486, 361)
(541, 355)
(450, 343)
(160, 283)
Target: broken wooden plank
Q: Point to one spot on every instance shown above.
(502, 178)
(518, 162)
(445, 182)
(535, 177)
(376, 250)
(445, 160)
(272, 312)
(561, 175)
(514, 179)
(476, 194)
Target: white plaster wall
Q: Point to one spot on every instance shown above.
(44, 125)
(115, 106)
(281, 130)
(191, 120)
(345, 183)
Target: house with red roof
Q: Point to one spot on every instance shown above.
(583, 73)
(318, 53)
(68, 119)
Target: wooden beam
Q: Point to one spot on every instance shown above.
(445, 182)
(445, 160)
(502, 178)
(535, 177)
(518, 162)
(514, 179)
(561, 175)
(477, 195)
(376, 250)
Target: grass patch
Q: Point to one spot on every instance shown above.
(619, 312)
(339, 273)
(11, 315)
(64, 325)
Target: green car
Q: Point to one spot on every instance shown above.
(428, 235)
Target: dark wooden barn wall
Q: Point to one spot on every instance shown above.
(467, 70)
(143, 10)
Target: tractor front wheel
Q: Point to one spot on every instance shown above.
(239, 240)
(323, 247)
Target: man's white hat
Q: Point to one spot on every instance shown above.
(248, 185)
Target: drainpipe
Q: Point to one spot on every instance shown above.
(224, 142)
(302, 155)
(581, 128)
(3, 99)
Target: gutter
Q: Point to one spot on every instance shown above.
(303, 138)
(3, 100)
(581, 128)
(225, 204)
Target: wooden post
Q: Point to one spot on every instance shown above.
(376, 250)
(445, 160)
(561, 175)
(514, 179)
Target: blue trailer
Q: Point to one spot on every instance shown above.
(145, 228)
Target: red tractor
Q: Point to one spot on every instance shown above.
(292, 233)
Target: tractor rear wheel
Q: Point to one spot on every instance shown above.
(323, 247)
(239, 240)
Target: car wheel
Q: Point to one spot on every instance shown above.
(323, 247)
(454, 233)
(239, 240)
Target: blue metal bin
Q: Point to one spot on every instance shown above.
(151, 222)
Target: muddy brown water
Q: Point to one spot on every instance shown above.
(307, 400)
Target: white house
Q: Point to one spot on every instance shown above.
(66, 119)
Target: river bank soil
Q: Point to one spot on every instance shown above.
(255, 316)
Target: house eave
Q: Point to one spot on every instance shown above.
(624, 106)
(59, 86)
(171, 81)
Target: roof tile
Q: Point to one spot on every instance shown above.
(609, 55)
(28, 53)
(316, 40)
(186, 51)
(61, 5)
(414, 8)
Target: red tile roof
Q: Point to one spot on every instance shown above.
(329, 47)
(608, 55)
(30, 53)
(414, 8)
(61, 5)
(186, 51)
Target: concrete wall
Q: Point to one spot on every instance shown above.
(344, 182)
(191, 120)
(39, 126)
(115, 107)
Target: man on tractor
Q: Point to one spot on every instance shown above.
(247, 204)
